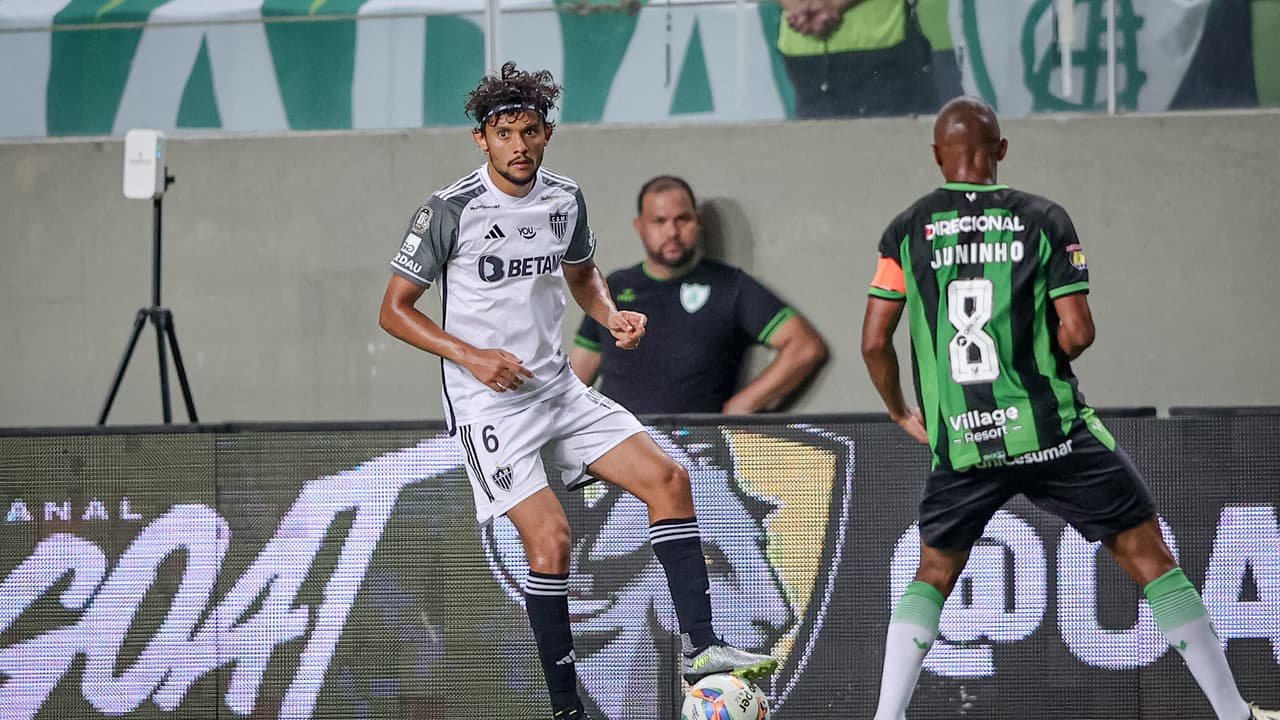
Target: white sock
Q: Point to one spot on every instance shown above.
(912, 629)
(1180, 613)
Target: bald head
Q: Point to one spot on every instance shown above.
(966, 120)
(966, 141)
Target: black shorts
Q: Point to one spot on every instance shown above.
(1095, 489)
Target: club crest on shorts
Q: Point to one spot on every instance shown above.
(422, 220)
(502, 477)
(559, 221)
(693, 296)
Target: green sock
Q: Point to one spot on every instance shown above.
(1180, 613)
(912, 629)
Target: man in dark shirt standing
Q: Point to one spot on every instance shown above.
(705, 315)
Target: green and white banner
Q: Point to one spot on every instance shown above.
(1011, 55)
(100, 67)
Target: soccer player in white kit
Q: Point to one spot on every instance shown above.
(497, 243)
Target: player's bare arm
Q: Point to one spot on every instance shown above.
(1075, 324)
(591, 292)
(400, 317)
(878, 325)
(800, 351)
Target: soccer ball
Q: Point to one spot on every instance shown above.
(724, 697)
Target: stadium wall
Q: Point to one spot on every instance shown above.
(337, 572)
(276, 250)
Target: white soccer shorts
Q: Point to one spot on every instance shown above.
(502, 457)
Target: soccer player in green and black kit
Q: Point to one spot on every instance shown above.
(994, 283)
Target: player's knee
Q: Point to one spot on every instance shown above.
(548, 552)
(674, 479)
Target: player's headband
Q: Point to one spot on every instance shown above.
(509, 108)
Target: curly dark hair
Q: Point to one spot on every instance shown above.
(510, 92)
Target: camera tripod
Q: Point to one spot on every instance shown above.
(162, 319)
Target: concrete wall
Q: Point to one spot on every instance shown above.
(275, 252)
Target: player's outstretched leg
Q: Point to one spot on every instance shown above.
(1182, 618)
(1180, 614)
(678, 546)
(640, 467)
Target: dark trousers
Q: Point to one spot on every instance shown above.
(888, 82)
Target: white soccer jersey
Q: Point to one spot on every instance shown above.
(496, 261)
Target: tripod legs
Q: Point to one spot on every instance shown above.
(162, 319)
(162, 362)
(138, 322)
(182, 370)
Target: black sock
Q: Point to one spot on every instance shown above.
(679, 548)
(546, 599)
